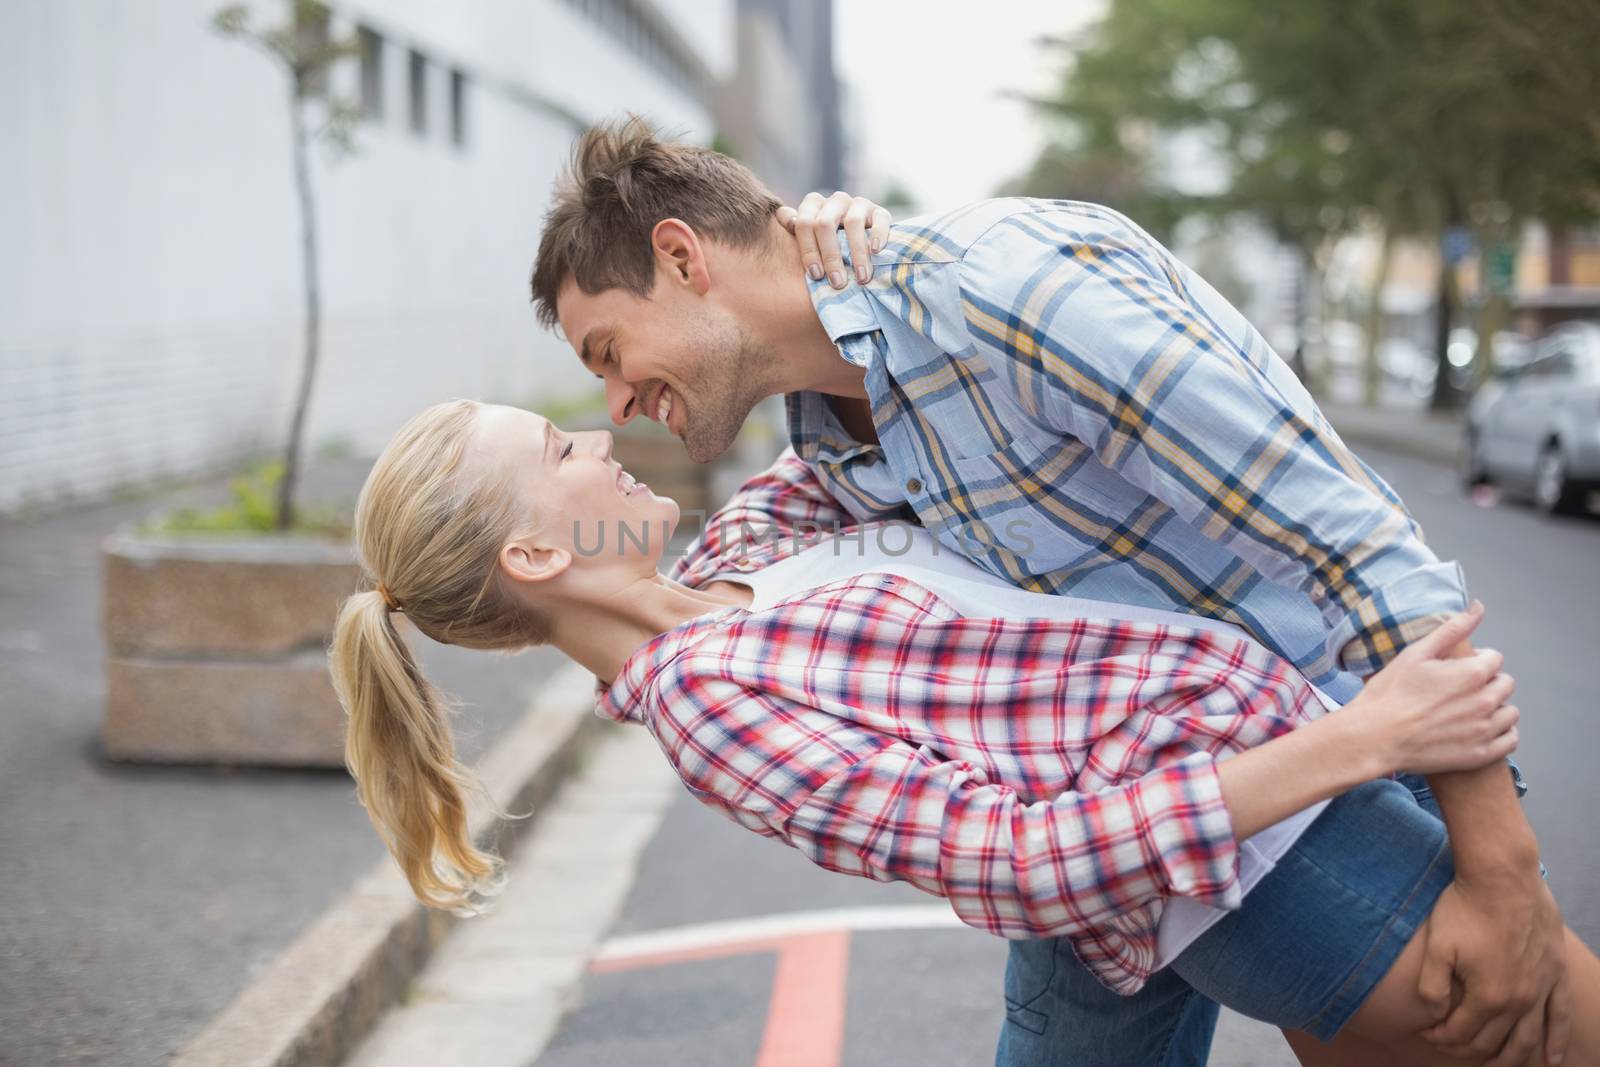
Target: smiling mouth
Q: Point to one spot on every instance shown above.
(664, 404)
(627, 486)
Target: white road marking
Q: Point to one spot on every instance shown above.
(698, 936)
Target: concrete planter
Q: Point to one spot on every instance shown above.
(216, 648)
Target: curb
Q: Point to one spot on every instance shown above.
(1436, 438)
(314, 1003)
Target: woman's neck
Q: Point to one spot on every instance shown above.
(601, 635)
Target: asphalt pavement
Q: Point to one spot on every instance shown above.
(930, 994)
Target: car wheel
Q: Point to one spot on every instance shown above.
(1473, 472)
(1553, 491)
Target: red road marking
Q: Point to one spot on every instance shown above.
(805, 1021)
(805, 1017)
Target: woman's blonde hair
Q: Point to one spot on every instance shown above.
(428, 528)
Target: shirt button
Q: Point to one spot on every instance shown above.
(914, 485)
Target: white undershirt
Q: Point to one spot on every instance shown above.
(911, 552)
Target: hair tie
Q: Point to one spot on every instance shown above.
(388, 601)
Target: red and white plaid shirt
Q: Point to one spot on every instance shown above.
(1047, 777)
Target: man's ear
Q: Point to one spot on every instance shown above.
(679, 251)
(526, 561)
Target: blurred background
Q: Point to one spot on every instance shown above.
(242, 244)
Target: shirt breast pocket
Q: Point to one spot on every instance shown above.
(1031, 507)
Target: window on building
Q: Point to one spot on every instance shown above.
(371, 72)
(458, 109)
(418, 68)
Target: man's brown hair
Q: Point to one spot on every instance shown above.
(622, 180)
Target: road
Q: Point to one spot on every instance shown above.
(744, 994)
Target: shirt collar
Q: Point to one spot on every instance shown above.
(845, 312)
(849, 316)
(623, 700)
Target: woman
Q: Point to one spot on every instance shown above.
(1050, 767)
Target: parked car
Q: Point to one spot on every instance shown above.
(1535, 428)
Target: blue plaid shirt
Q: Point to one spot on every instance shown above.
(1060, 399)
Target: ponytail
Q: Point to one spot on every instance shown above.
(430, 524)
(399, 749)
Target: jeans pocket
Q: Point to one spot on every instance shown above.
(1030, 968)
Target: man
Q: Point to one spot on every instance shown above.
(1054, 394)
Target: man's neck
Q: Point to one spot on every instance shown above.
(803, 356)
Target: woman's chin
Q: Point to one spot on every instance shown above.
(668, 511)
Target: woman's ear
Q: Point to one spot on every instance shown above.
(525, 561)
(679, 251)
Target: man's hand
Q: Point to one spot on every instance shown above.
(1505, 943)
(865, 225)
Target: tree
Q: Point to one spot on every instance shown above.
(1431, 115)
(305, 50)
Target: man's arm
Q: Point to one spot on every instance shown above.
(1095, 330)
(1096, 336)
(1514, 987)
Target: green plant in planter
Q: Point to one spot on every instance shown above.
(254, 509)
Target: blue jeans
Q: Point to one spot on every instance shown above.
(1059, 1015)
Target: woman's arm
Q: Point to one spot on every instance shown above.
(860, 801)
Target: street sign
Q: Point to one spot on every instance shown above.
(1500, 267)
(1456, 244)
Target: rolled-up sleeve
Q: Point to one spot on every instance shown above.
(1049, 868)
(859, 802)
(1102, 340)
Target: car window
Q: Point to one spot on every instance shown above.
(1556, 365)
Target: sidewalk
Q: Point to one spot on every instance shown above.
(136, 901)
(1424, 434)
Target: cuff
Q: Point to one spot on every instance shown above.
(1191, 833)
(1383, 624)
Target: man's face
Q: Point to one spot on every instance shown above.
(673, 357)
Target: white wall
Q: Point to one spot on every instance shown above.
(149, 270)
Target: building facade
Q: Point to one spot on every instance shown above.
(150, 280)
(779, 111)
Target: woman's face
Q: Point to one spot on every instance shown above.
(582, 500)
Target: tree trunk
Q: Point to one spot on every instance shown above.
(1444, 393)
(1495, 313)
(308, 255)
(1371, 372)
(1494, 317)
(1313, 305)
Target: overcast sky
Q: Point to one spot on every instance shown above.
(926, 81)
